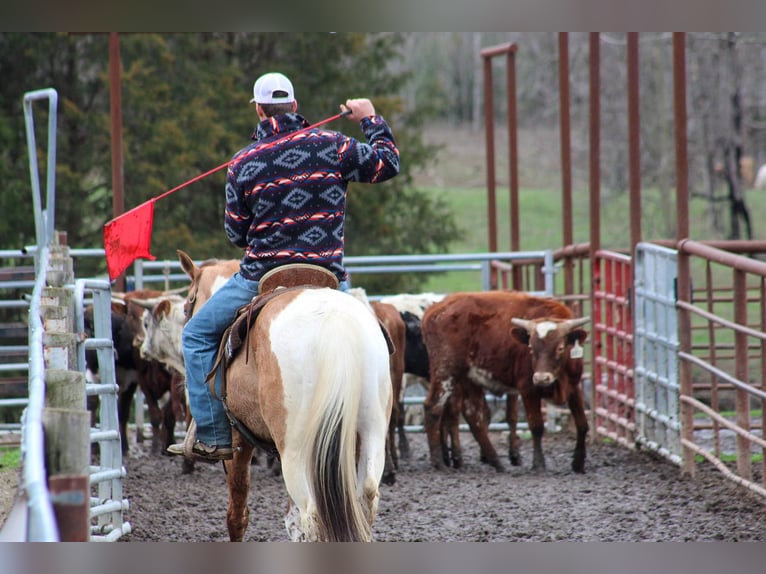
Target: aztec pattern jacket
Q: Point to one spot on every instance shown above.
(286, 199)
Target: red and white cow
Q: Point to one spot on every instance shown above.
(160, 336)
(132, 371)
(505, 343)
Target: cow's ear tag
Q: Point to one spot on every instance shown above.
(577, 351)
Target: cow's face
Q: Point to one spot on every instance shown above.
(134, 322)
(553, 344)
(162, 323)
(149, 327)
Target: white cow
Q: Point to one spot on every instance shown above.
(163, 322)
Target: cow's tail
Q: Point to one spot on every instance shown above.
(332, 424)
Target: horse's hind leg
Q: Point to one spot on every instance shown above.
(238, 477)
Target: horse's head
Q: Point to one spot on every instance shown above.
(206, 278)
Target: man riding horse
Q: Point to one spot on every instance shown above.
(285, 203)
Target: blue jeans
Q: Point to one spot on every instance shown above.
(200, 341)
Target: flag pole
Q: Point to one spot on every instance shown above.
(138, 246)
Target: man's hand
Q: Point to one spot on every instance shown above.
(360, 108)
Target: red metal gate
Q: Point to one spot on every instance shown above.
(613, 391)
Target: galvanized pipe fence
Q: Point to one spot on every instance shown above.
(53, 340)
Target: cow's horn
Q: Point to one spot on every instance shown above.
(145, 303)
(523, 323)
(568, 326)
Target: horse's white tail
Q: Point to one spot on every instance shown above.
(331, 431)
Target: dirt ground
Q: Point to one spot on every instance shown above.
(624, 496)
(9, 484)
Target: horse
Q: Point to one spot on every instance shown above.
(313, 382)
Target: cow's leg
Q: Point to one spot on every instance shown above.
(392, 424)
(512, 418)
(124, 402)
(391, 464)
(168, 426)
(389, 467)
(532, 404)
(474, 407)
(396, 426)
(155, 419)
(238, 478)
(444, 437)
(433, 408)
(577, 408)
(452, 452)
(404, 443)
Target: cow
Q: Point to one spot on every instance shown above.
(505, 343)
(159, 337)
(389, 317)
(159, 386)
(411, 307)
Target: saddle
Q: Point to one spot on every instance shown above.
(275, 283)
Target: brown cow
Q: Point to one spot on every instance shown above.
(505, 343)
(392, 320)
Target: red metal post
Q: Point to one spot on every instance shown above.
(594, 60)
(115, 90)
(682, 232)
(489, 128)
(634, 142)
(489, 122)
(513, 163)
(566, 159)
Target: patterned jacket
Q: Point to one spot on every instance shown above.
(286, 199)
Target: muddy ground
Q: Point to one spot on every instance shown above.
(624, 495)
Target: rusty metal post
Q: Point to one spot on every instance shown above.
(741, 369)
(513, 163)
(489, 122)
(489, 128)
(634, 142)
(115, 101)
(682, 233)
(566, 159)
(594, 62)
(763, 372)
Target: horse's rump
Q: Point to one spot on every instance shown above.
(316, 380)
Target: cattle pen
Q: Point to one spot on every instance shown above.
(677, 352)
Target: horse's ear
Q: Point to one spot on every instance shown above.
(187, 264)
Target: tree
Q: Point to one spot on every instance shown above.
(185, 110)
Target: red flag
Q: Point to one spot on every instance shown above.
(128, 237)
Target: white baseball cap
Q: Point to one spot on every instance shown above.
(273, 88)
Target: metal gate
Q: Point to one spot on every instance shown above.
(656, 350)
(613, 395)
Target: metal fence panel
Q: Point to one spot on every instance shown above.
(656, 350)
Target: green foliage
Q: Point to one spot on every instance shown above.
(185, 111)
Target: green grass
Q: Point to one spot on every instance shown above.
(539, 228)
(540, 217)
(754, 414)
(10, 458)
(730, 458)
